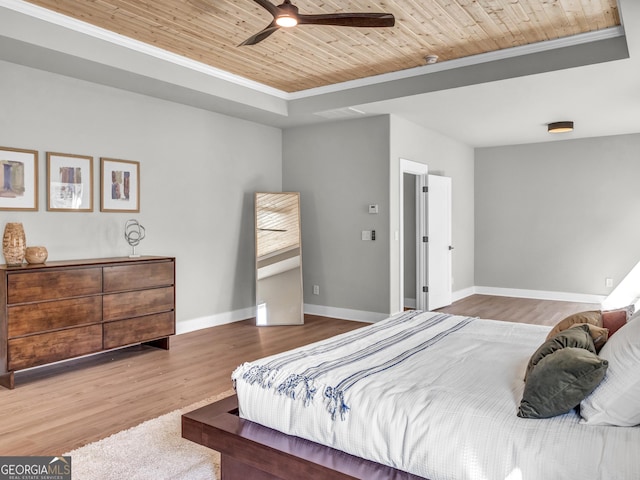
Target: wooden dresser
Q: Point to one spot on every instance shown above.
(66, 309)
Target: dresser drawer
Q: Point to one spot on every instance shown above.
(50, 347)
(137, 330)
(44, 316)
(145, 275)
(118, 306)
(53, 284)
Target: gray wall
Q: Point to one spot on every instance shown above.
(559, 216)
(198, 173)
(339, 169)
(450, 158)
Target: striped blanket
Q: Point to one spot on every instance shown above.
(385, 346)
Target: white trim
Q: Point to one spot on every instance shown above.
(464, 293)
(540, 294)
(193, 324)
(344, 313)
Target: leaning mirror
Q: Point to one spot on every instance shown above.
(278, 259)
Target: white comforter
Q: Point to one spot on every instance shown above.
(433, 395)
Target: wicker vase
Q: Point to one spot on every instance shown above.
(14, 244)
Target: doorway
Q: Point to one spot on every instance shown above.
(425, 238)
(409, 242)
(413, 254)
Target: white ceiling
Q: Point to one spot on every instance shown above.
(602, 100)
(485, 101)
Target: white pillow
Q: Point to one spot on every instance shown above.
(616, 401)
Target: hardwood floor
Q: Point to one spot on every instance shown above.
(60, 407)
(522, 310)
(57, 408)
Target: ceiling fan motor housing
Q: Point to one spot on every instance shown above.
(286, 15)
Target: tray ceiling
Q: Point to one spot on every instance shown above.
(309, 56)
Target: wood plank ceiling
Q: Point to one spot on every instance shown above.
(309, 56)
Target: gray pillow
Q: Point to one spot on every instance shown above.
(578, 337)
(560, 381)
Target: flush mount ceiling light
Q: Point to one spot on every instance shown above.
(560, 127)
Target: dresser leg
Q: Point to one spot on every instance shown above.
(160, 343)
(6, 380)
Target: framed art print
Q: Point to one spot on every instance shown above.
(69, 182)
(18, 179)
(120, 185)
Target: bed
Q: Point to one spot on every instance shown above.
(419, 395)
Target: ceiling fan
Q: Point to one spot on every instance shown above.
(286, 15)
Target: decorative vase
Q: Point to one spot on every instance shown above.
(35, 255)
(14, 244)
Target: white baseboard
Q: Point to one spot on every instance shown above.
(539, 294)
(194, 324)
(464, 293)
(519, 293)
(455, 296)
(186, 326)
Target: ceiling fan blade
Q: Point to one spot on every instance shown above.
(261, 35)
(349, 19)
(268, 6)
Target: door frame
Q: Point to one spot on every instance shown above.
(420, 170)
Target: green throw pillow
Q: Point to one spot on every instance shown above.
(560, 381)
(578, 337)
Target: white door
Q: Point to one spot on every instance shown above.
(439, 242)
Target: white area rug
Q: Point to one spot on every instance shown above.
(153, 450)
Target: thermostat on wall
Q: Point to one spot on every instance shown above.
(373, 208)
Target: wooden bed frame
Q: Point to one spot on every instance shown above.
(250, 451)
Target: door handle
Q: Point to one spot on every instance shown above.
(450, 247)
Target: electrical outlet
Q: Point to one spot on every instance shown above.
(608, 282)
(366, 234)
(316, 289)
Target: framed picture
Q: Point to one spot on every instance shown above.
(18, 179)
(69, 183)
(120, 185)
